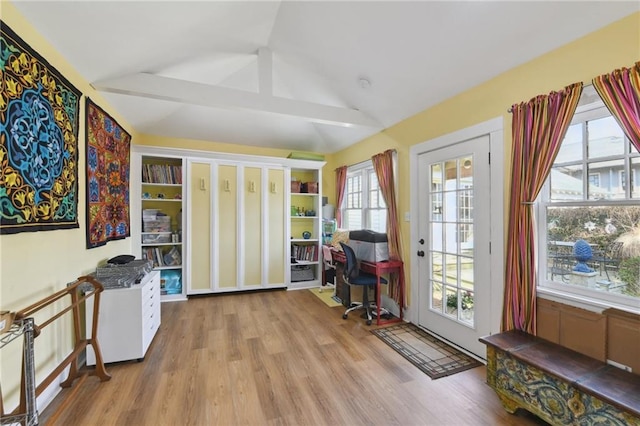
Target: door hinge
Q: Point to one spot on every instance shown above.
(489, 247)
(489, 158)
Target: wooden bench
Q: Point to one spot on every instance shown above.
(561, 386)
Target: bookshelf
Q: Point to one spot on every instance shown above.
(305, 228)
(161, 204)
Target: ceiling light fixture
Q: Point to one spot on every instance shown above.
(364, 83)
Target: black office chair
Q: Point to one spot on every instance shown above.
(354, 277)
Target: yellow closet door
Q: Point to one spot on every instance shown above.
(276, 215)
(252, 247)
(227, 227)
(200, 220)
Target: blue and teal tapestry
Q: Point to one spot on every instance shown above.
(39, 119)
(107, 177)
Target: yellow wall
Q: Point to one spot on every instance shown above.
(36, 264)
(615, 46)
(152, 140)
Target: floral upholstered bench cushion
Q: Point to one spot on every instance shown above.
(561, 386)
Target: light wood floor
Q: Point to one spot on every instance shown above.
(276, 358)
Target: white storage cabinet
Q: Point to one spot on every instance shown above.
(129, 319)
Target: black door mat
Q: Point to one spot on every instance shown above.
(434, 357)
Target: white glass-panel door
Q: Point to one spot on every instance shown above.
(454, 232)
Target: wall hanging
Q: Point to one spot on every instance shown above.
(38, 141)
(107, 178)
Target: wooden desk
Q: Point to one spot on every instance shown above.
(378, 269)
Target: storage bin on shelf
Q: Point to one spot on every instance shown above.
(301, 273)
(170, 282)
(309, 187)
(156, 238)
(160, 224)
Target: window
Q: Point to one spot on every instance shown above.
(590, 239)
(363, 206)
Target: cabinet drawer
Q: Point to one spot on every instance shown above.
(149, 330)
(148, 316)
(150, 289)
(150, 303)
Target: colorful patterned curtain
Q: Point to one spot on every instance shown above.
(383, 165)
(538, 127)
(341, 180)
(620, 92)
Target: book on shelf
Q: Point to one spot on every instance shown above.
(159, 257)
(304, 252)
(154, 254)
(173, 257)
(162, 173)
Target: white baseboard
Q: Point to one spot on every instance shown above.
(48, 395)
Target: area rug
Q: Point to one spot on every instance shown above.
(434, 357)
(326, 296)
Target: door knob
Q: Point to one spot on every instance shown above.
(421, 240)
(420, 253)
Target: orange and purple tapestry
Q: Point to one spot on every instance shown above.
(39, 112)
(107, 178)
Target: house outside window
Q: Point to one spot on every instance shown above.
(363, 205)
(589, 238)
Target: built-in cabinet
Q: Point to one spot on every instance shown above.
(200, 224)
(128, 320)
(158, 198)
(236, 226)
(305, 218)
(237, 221)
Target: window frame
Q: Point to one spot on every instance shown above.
(364, 170)
(557, 290)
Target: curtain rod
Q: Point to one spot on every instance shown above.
(364, 161)
(510, 110)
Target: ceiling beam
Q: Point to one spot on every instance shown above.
(171, 89)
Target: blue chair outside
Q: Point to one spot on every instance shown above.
(353, 276)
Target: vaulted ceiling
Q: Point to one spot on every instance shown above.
(299, 75)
